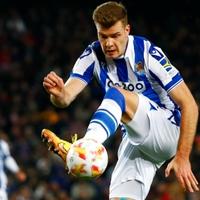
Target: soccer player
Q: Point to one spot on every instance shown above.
(144, 94)
(7, 162)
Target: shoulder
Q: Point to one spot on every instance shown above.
(96, 48)
(141, 41)
(92, 47)
(146, 45)
(4, 146)
(139, 44)
(139, 38)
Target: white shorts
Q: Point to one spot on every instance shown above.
(151, 140)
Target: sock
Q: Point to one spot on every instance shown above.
(106, 119)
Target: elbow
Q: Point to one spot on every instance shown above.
(191, 107)
(195, 108)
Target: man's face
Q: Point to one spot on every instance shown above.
(113, 40)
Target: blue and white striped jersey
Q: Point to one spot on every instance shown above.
(6, 162)
(143, 69)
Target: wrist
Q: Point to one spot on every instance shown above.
(58, 101)
(183, 155)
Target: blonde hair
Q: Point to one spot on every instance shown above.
(108, 13)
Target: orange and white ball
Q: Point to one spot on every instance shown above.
(87, 158)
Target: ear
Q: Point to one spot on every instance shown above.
(127, 29)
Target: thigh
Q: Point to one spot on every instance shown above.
(138, 128)
(133, 174)
(152, 130)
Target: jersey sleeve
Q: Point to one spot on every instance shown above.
(84, 66)
(9, 161)
(161, 69)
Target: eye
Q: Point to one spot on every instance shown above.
(116, 35)
(103, 37)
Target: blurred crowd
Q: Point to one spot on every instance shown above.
(38, 39)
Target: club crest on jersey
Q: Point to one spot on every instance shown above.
(87, 52)
(139, 67)
(158, 55)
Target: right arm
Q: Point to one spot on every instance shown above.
(62, 94)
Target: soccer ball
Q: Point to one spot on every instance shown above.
(87, 158)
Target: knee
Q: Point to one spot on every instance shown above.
(116, 95)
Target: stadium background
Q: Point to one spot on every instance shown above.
(37, 38)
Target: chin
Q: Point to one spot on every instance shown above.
(112, 56)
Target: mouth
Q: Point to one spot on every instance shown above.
(110, 52)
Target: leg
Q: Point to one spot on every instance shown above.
(149, 126)
(132, 102)
(133, 173)
(144, 121)
(117, 106)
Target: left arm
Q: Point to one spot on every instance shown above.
(10, 162)
(189, 117)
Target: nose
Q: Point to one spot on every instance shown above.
(109, 42)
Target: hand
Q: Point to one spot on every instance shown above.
(183, 172)
(53, 84)
(21, 176)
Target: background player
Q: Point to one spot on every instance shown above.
(7, 162)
